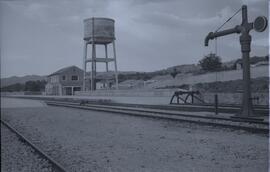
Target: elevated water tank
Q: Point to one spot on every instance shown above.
(101, 29)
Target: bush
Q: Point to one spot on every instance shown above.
(14, 87)
(211, 63)
(28, 86)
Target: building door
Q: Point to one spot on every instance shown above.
(76, 89)
(68, 90)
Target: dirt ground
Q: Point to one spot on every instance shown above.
(84, 140)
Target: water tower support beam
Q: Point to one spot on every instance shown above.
(84, 64)
(106, 55)
(93, 66)
(115, 65)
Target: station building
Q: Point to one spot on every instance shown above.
(65, 81)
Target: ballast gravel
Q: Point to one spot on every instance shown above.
(16, 156)
(84, 140)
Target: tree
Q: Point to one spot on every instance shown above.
(267, 57)
(31, 86)
(35, 85)
(27, 86)
(211, 62)
(13, 87)
(174, 73)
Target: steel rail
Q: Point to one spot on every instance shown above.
(177, 113)
(168, 112)
(195, 107)
(55, 165)
(247, 125)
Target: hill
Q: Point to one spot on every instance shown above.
(163, 74)
(21, 80)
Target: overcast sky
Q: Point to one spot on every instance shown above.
(40, 37)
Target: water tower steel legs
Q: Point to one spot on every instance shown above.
(115, 65)
(93, 61)
(93, 69)
(84, 64)
(106, 55)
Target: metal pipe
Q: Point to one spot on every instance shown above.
(216, 104)
(213, 35)
(244, 14)
(245, 40)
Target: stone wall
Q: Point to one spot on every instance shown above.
(256, 72)
(163, 96)
(129, 93)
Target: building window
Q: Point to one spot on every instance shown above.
(54, 79)
(74, 78)
(63, 77)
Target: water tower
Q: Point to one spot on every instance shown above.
(98, 31)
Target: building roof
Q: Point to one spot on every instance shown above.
(63, 70)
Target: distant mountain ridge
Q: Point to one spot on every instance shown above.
(136, 75)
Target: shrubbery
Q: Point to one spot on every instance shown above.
(211, 63)
(28, 86)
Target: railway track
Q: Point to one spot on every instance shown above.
(222, 108)
(55, 165)
(249, 124)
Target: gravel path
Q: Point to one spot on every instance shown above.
(83, 140)
(16, 156)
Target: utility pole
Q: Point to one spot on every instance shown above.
(259, 25)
